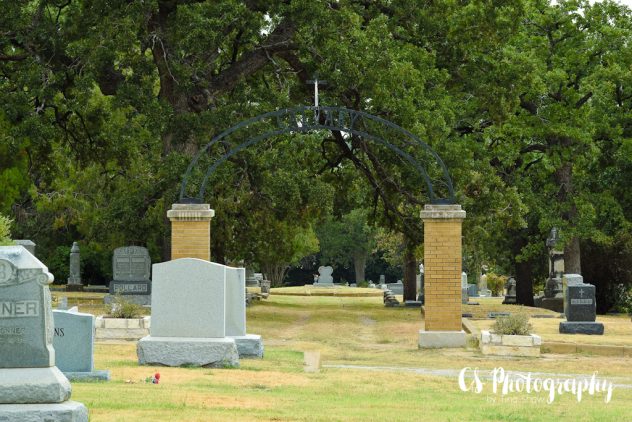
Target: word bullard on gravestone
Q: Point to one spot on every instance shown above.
(32, 388)
(130, 270)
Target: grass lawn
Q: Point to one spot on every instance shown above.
(356, 331)
(342, 291)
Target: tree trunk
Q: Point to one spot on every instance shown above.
(572, 257)
(410, 272)
(275, 273)
(359, 264)
(524, 272)
(572, 252)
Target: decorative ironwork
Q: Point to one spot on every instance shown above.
(308, 118)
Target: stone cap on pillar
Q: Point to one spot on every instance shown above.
(190, 212)
(442, 212)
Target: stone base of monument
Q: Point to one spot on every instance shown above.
(581, 327)
(324, 285)
(33, 385)
(249, 346)
(143, 300)
(441, 339)
(74, 287)
(38, 394)
(510, 345)
(510, 300)
(68, 411)
(121, 328)
(88, 376)
(184, 351)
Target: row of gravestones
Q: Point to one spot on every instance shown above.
(198, 319)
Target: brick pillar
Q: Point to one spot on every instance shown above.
(442, 278)
(191, 230)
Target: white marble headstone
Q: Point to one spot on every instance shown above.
(188, 299)
(324, 275)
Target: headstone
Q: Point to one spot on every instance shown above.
(73, 341)
(28, 244)
(31, 386)
(553, 297)
(382, 279)
(62, 303)
(498, 314)
(464, 293)
(248, 345)
(483, 291)
(251, 280)
(74, 278)
(324, 276)
(510, 297)
(188, 325)
(580, 307)
(396, 288)
(472, 290)
(130, 274)
(265, 287)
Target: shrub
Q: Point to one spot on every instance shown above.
(622, 298)
(122, 308)
(5, 231)
(496, 283)
(363, 283)
(517, 324)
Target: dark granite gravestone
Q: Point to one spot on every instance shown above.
(130, 274)
(580, 307)
(31, 387)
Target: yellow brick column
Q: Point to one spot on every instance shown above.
(442, 277)
(191, 230)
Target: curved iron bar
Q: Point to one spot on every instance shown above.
(306, 126)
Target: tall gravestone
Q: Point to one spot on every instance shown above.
(580, 307)
(130, 274)
(553, 297)
(74, 270)
(73, 341)
(32, 388)
(188, 316)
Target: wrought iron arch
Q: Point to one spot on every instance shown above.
(308, 118)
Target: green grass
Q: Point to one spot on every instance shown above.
(353, 331)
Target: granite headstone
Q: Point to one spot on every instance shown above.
(188, 325)
(580, 307)
(73, 341)
(32, 388)
(130, 274)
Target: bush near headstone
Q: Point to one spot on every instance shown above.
(515, 325)
(122, 308)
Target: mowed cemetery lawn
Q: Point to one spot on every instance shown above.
(356, 332)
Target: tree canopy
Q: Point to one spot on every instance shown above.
(104, 103)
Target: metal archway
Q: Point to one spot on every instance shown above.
(308, 118)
